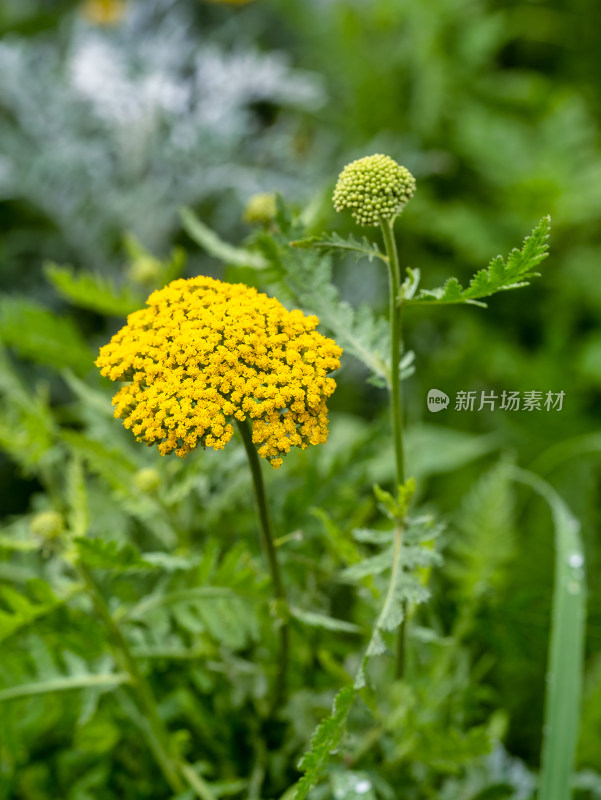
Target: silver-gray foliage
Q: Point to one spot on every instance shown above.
(113, 128)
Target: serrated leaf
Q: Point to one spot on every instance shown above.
(369, 536)
(485, 540)
(107, 462)
(360, 248)
(411, 283)
(306, 276)
(111, 555)
(418, 556)
(86, 290)
(41, 335)
(18, 609)
(373, 565)
(419, 530)
(27, 425)
(500, 275)
(325, 740)
(317, 620)
(118, 469)
(215, 246)
(337, 539)
(403, 588)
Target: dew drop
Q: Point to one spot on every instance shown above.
(576, 560)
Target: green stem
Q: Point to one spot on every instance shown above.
(156, 732)
(274, 567)
(396, 386)
(396, 340)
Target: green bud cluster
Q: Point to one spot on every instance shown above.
(260, 209)
(373, 188)
(147, 480)
(48, 525)
(145, 270)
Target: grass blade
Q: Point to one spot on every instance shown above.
(566, 647)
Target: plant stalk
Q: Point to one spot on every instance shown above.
(396, 390)
(274, 567)
(156, 733)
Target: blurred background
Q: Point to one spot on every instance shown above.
(115, 113)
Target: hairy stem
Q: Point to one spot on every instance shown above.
(274, 567)
(396, 387)
(156, 733)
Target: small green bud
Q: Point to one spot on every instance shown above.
(147, 479)
(145, 270)
(373, 188)
(260, 209)
(47, 525)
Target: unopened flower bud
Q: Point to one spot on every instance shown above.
(145, 270)
(260, 209)
(147, 479)
(373, 188)
(47, 525)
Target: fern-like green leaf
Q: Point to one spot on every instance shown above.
(500, 275)
(316, 620)
(219, 605)
(408, 564)
(111, 555)
(17, 610)
(306, 276)
(325, 740)
(27, 425)
(42, 336)
(485, 541)
(110, 463)
(86, 290)
(360, 248)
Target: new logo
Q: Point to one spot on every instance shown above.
(437, 400)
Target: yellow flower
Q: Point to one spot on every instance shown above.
(203, 353)
(104, 12)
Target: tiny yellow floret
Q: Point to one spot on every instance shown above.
(373, 188)
(204, 353)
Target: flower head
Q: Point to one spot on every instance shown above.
(374, 188)
(203, 353)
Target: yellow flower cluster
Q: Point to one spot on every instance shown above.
(204, 352)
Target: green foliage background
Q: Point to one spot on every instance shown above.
(494, 107)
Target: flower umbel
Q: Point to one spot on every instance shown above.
(373, 188)
(204, 352)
